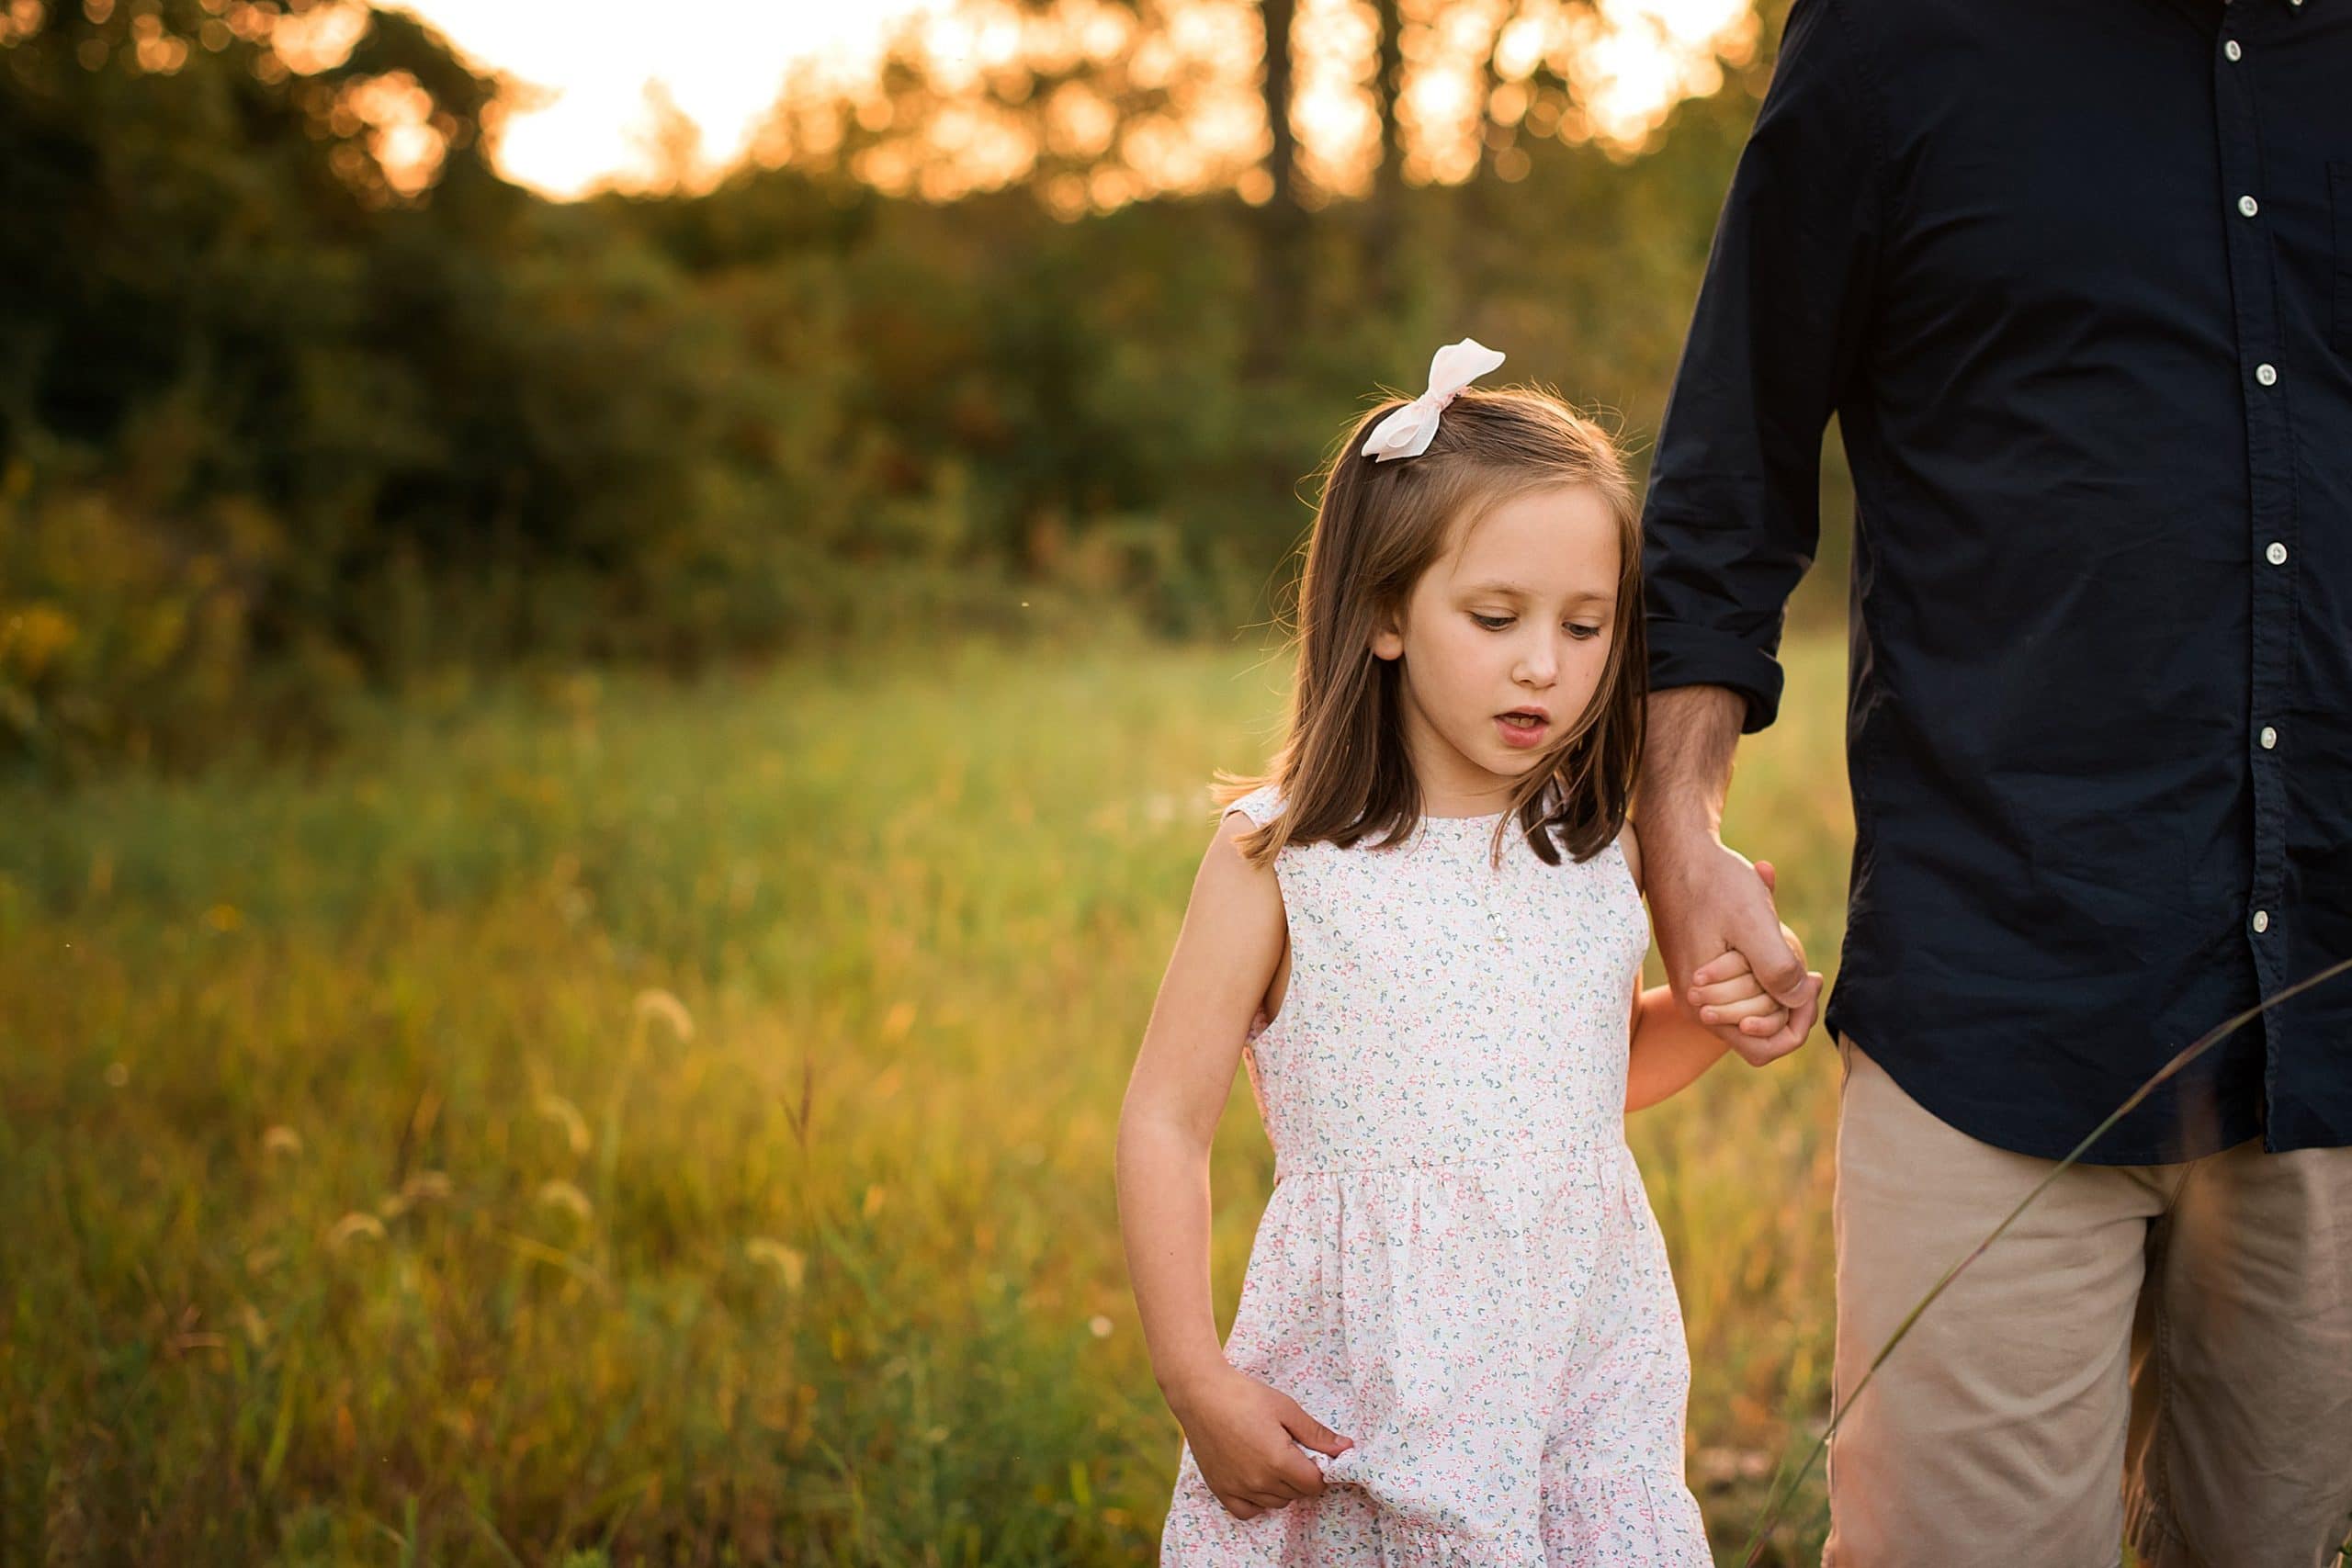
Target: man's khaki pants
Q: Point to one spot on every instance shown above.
(2162, 1348)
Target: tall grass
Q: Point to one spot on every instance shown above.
(596, 1121)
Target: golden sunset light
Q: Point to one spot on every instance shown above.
(787, 777)
(593, 77)
(624, 626)
(603, 102)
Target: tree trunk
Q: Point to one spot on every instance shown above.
(1490, 76)
(1282, 161)
(1388, 86)
(1280, 225)
(1388, 172)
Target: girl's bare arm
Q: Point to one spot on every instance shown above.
(1669, 1049)
(1225, 957)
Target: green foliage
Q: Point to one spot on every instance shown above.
(674, 1123)
(276, 425)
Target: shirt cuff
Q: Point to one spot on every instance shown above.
(1685, 655)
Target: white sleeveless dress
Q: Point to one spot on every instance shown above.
(1458, 1267)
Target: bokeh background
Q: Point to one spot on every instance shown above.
(613, 619)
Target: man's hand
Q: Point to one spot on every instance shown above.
(1716, 920)
(1245, 1437)
(1725, 990)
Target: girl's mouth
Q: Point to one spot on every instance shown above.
(1522, 727)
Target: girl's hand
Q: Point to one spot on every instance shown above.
(1725, 990)
(1245, 1438)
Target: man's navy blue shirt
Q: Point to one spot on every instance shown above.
(2076, 277)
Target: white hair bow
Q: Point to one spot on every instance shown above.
(1406, 432)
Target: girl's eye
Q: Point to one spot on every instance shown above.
(1492, 623)
(1583, 634)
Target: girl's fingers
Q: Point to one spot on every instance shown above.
(1306, 1429)
(1722, 966)
(1737, 989)
(1756, 1006)
(1764, 869)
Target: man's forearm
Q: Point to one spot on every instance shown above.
(1690, 733)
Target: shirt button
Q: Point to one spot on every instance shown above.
(2261, 922)
(2270, 737)
(2276, 554)
(2248, 206)
(2267, 374)
(2231, 49)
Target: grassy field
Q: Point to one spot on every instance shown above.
(601, 1122)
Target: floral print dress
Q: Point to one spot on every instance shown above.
(1458, 1267)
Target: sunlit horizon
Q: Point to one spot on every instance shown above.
(593, 63)
(606, 102)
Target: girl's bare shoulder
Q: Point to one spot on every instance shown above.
(1225, 867)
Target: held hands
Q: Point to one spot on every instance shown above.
(1753, 989)
(1725, 992)
(1246, 1438)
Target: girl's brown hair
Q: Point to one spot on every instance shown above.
(1342, 769)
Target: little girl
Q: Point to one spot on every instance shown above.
(1458, 1341)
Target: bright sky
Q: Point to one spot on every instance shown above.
(597, 57)
(596, 61)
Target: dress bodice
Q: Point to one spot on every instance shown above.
(1442, 1008)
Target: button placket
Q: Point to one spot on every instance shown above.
(2270, 514)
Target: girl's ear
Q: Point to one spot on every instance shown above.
(1387, 638)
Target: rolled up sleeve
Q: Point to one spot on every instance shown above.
(1732, 512)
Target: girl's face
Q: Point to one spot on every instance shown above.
(1503, 641)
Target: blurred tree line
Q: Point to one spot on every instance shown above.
(299, 397)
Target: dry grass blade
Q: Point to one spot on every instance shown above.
(1781, 1490)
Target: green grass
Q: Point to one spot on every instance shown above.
(601, 1121)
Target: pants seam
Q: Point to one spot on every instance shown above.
(2156, 1472)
